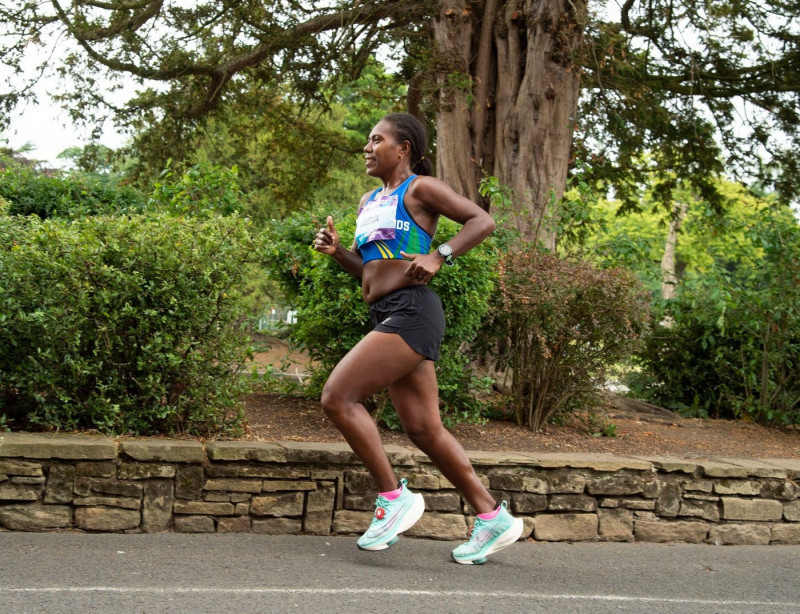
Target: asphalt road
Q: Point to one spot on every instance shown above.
(242, 573)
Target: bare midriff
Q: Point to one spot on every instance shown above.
(380, 277)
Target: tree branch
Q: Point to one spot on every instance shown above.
(221, 73)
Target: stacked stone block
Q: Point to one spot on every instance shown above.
(92, 484)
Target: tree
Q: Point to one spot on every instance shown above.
(289, 159)
(510, 82)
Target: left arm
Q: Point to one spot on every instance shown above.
(429, 197)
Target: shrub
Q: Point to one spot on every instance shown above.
(332, 317)
(122, 324)
(733, 347)
(60, 195)
(202, 190)
(557, 326)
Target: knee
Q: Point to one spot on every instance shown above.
(422, 436)
(332, 402)
(327, 401)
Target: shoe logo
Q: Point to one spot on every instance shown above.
(483, 536)
(383, 528)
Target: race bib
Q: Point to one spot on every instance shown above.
(377, 220)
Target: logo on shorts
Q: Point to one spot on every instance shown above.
(386, 320)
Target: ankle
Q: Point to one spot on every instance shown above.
(490, 515)
(391, 495)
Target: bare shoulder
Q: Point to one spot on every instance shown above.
(425, 188)
(437, 197)
(366, 196)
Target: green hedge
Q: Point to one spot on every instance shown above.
(729, 346)
(123, 324)
(29, 192)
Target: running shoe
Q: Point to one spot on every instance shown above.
(392, 518)
(488, 537)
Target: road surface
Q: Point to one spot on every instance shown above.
(241, 573)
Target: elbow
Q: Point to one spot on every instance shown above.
(489, 226)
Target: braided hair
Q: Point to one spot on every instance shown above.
(408, 128)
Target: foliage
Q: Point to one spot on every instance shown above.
(367, 99)
(203, 190)
(674, 78)
(558, 326)
(708, 238)
(332, 317)
(93, 159)
(126, 324)
(678, 80)
(598, 426)
(286, 156)
(733, 349)
(574, 219)
(64, 195)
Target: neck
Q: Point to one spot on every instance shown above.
(395, 181)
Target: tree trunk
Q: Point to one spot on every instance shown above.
(452, 36)
(668, 277)
(508, 94)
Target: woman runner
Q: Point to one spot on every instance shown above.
(391, 254)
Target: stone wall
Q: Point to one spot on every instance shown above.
(92, 483)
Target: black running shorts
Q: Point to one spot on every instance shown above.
(415, 313)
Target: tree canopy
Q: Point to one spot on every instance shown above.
(700, 85)
(513, 85)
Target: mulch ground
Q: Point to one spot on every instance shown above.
(640, 430)
(275, 418)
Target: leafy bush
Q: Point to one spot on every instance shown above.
(201, 190)
(122, 324)
(557, 326)
(732, 349)
(72, 196)
(332, 317)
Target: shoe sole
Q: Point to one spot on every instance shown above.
(409, 520)
(508, 537)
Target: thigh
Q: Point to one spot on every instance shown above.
(374, 363)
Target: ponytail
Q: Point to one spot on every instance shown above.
(423, 167)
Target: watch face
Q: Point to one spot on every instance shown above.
(445, 250)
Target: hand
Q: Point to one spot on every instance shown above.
(327, 239)
(422, 267)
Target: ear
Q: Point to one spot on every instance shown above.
(405, 149)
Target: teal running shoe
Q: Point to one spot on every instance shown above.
(392, 518)
(488, 537)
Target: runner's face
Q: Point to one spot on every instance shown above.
(382, 153)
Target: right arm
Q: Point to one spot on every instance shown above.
(327, 242)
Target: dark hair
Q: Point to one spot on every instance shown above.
(408, 128)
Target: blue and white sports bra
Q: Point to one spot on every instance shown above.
(384, 227)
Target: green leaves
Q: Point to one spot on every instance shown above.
(123, 324)
(557, 326)
(46, 195)
(698, 84)
(202, 190)
(733, 349)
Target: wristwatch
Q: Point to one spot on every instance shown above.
(446, 252)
